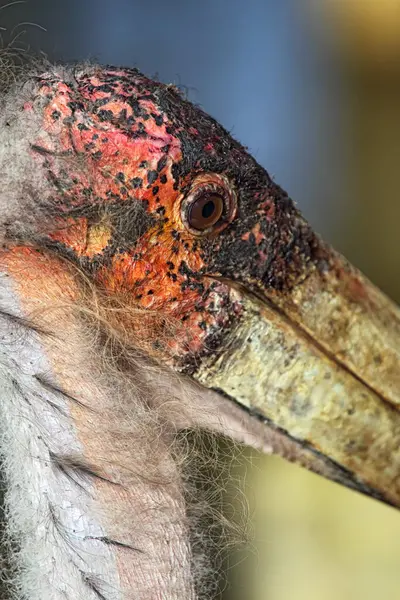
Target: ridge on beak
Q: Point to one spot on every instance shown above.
(320, 365)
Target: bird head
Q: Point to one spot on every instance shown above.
(221, 277)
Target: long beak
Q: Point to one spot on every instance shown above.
(322, 366)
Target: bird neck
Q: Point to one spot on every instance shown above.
(93, 503)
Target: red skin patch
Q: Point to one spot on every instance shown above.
(125, 157)
(121, 163)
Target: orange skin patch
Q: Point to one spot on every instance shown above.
(82, 238)
(126, 159)
(123, 156)
(157, 270)
(38, 278)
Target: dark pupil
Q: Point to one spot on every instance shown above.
(208, 209)
(205, 211)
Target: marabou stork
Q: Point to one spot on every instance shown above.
(154, 279)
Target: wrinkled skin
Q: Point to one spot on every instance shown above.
(300, 351)
(144, 148)
(127, 159)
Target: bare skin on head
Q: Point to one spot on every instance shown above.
(145, 252)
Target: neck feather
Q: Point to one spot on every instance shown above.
(93, 503)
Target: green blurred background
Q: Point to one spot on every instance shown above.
(312, 87)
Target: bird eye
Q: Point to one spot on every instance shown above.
(205, 211)
(209, 206)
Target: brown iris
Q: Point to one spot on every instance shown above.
(205, 211)
(209, 205)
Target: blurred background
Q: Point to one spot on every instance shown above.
(312, 87)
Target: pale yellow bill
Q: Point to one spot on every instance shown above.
(327, 375)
